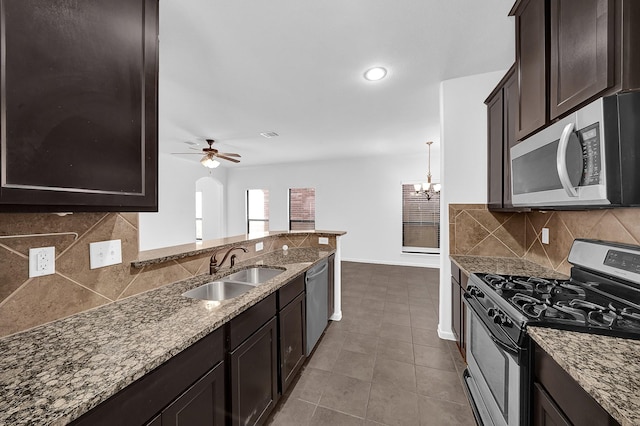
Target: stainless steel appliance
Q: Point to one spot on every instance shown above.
(317, 287)
(590, 158)
(602, 296)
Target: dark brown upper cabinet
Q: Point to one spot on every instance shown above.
(531, 66)
(569, 52)
(582, 53)
(79, 84)
(502, 109)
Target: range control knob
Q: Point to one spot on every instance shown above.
(491, 312)
(498, 319)
(476, 292)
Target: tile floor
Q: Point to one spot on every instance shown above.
(383, 364)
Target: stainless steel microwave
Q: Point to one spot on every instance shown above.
(590, 158)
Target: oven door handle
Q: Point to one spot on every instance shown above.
(493, 331)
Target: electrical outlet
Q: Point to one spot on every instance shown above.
(42, 261)
(545, 236)
(259, 246)
(105, 253)
(323, 240)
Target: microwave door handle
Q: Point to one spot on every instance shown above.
(561, 160)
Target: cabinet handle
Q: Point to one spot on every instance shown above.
(561, 160)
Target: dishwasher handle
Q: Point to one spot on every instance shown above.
(309, 277)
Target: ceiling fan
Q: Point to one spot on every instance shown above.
(210, 155)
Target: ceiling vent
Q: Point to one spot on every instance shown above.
(269, 135)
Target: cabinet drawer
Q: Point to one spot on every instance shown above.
(464, 280)
(245, 324)
(455, 272)
(290, 291)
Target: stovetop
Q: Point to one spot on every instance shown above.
(598, 306)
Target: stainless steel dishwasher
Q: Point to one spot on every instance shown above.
(317, 283)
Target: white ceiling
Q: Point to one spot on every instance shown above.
(230, 69)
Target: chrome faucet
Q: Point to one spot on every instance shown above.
(214, 267)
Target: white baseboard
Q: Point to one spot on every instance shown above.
(337, 316)
(445, 334)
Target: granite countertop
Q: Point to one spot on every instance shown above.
(54, 373)
(504, 265)
(607, 368)
(151, 257)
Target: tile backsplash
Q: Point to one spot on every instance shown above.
(474, 230)
(27, 302)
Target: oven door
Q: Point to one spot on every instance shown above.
(495, 375)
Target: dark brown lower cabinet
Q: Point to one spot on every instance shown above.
(546, 412)
(459, 281)
(292, 328)
(199, 406)
(188, 386)
(559, 400)
(254, 377)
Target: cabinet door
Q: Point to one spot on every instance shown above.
(495, 162)
(292, 344)
(510, 104)
(254, 377)
(531, 67)
(79, 105)
(582, 53)
(545, 411)
(201, 405)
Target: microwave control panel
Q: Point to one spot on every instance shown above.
(592, 158)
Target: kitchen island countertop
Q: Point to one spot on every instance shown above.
(54, 373)
(607, 368)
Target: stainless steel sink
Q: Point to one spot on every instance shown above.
(254, 275)
(218, 290)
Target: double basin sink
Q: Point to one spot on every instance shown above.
(233, 285)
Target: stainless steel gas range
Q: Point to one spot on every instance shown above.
(602, 296)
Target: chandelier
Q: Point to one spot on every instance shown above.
(428, 189)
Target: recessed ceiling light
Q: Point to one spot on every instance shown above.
(375, 74)
(269, 135)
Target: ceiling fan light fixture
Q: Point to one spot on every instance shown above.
(209, 162)
(375, 74)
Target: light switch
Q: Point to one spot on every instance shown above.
(259, 246)
(105, 253)
(323, 240)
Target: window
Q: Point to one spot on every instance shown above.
(257, 210)
(302, 209)
(420, 221)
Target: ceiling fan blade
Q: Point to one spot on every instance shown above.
(229, 154)
(227, 158)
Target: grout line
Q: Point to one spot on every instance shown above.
(77, 240)
(10, 296)
(83, 286)
(130, 283)
(14, 251)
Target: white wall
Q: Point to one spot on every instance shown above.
(362, 196)
(174, 223)
(463, 132)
